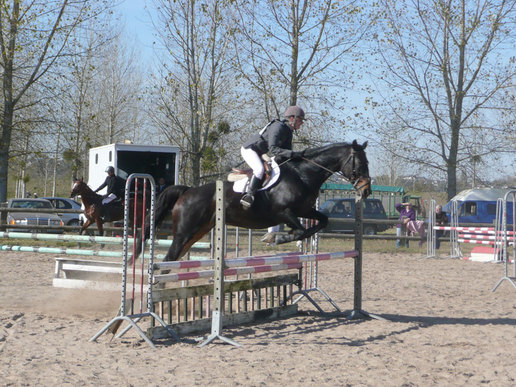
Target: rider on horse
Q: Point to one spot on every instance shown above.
(275, 139)
(115, 190)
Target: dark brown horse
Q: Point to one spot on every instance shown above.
(293, 197)
(93, 207)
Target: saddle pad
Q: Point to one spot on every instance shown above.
(241, 185)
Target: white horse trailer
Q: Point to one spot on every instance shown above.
(156, 160)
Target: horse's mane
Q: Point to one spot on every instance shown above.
(317, 150)
(82, 182)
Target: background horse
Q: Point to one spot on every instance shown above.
(294, 196)
(93, 207)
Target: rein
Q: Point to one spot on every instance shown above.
(351, 180)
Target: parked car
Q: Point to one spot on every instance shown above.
(344, 208)
(33, 218)
(69, 219)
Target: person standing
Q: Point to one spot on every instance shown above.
(441, 219)
(276, 139)
(407, 214)
(115, 190)
(162, 184)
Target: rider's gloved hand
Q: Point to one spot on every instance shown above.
(297, 155)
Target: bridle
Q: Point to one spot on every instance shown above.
(354, 175)
(353, 179)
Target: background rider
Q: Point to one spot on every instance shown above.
(115, 190)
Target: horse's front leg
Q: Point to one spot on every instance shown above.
(100, 226)
(298, 231)
(322, 222)
(85, 225)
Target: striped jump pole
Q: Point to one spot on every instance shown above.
(67, 251)
(480, 242)
(174, 277)
(258, 261)
(90, 239)
(483, 230)
(64, 251)
(491, 237)
(248, 265)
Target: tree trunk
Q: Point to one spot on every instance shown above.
(452, 160)
(7, 118)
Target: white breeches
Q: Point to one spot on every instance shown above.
(109, 198)
(254, 161)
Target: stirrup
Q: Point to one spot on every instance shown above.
(247, 201)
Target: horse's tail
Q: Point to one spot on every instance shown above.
(164, 204)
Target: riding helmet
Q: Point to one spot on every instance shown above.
(295, 111)
(110, 169)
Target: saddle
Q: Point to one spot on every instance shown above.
(239, 174)
(241, 177)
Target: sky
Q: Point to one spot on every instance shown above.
(137, 24)
(135, 16)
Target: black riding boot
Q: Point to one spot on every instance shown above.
(248, 199)
(106, 213)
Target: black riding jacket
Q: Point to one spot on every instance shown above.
(115, 185)
(275, 140)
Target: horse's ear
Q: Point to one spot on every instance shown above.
(357, 147)
(82, 179)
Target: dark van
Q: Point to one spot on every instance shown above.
(338, 209)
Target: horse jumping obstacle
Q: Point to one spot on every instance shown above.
(501, 237)
(480, 236)
(242, 308)
(161, 298)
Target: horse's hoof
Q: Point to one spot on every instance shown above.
(269, 238)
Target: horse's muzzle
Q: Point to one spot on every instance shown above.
(363, 186)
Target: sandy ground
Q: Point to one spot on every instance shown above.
(443, 327)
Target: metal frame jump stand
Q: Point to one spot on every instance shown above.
(133, 318)
(357, 312)
(218, 285)
(311, 276)
(505, 234)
